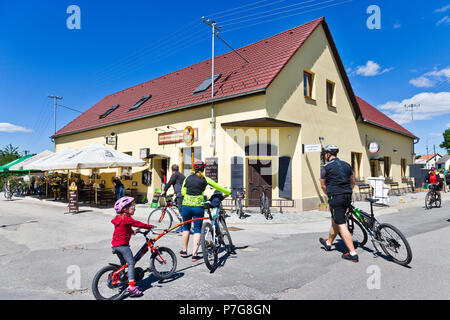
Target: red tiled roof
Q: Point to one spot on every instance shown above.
(175, 90)
(372, 115)
(427, 157)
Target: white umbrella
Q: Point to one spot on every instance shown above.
(41, 163)
(92, 157)
(20, 166)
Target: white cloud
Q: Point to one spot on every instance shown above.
(445, 19)
(371, 69)
(443, 9)
(9, 127)
(421, 82)
(429, 79)
(430, 105)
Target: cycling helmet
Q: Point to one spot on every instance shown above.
(122, 204)
(332, 149)
(199, 166)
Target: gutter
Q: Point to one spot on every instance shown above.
(204, 102)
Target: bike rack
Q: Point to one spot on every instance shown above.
(274, 203)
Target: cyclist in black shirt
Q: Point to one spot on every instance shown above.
(176, 180)
(337, 181)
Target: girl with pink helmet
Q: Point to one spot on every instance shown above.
(123, 223)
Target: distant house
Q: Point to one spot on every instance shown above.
(429, 160)
(444, 162)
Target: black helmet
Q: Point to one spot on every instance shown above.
(332, 149)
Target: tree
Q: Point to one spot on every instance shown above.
(8, 154)
(446, 143)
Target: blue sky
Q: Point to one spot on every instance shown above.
(123, 43)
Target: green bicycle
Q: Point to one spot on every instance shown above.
(393, 243)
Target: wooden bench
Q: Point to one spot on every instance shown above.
(394, 188)
(364, 188)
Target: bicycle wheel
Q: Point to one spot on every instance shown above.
(209, 249)
(262, 199)
(394, 243)
(239, 209)
(359, 234)
(437, 201)
(428, 199)
(226, 237)
(267, 213)
(163, 263)
(102, 286)
(161, 219)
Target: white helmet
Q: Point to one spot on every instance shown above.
(332, 149)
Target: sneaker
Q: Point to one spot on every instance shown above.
(349, 257)
(183, 254)
(196, 258)
(134, 291)
(323, 242)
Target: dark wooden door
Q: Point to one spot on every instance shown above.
(259, 174)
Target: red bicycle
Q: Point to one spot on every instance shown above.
(111, 281)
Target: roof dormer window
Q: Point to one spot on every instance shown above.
(207, 83)
(140, 102)
(104, 115)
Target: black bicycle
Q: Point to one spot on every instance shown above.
(432, 198)
(264, 201)
(238, 203)
(392, 241)
(214, 235)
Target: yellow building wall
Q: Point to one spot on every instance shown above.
(132, 136)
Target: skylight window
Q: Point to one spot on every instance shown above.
(207, 83)
(104, 115)
(140, 102)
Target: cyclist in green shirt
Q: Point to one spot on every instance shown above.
(192, 190)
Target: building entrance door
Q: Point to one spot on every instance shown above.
(259, 174)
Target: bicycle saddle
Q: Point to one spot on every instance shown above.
(372, 200)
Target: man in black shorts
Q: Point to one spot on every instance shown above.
(337, 181)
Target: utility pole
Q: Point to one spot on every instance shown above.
(214, 27)
(55, 98)
(410, 107)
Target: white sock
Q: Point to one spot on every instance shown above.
(353, 253)
(328, 243)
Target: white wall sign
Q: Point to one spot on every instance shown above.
(312, 148)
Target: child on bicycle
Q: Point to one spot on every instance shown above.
(123, 223)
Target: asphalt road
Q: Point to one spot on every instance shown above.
(44, 250)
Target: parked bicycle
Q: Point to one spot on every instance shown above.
(264, 201)
(215, 233)
(392, 241)
(238, 202)
(111, 281)
(7, 191)
(163, 217)
(432, 198)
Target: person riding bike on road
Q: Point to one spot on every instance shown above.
(193, 189)
(123, 223)
(433, 178)
(337, 181)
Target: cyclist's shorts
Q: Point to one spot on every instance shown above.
(189, 213)
(338, 207)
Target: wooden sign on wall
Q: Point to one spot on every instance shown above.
(174, 136)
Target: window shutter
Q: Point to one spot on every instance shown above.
(237, 174)
(285, 177)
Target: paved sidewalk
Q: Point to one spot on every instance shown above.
(282, 223)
